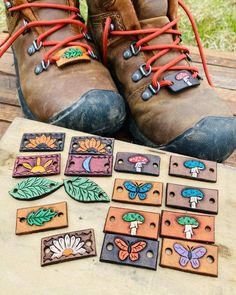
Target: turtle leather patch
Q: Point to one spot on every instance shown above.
(187, 226)
(40, 165)
(89, 165)
(41, 218)
(68, 246)
(91, 145)
(193, 168)
(138, 163)
(132, 251)
(190, 257)
(192, 198)
(132, 222)
(42, 142)
(138, 192)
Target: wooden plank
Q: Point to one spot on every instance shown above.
(94, 276)
(8, 113)
(3, 127)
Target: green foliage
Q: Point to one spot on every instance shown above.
(85, 190)
(41, 216)
(33, 188)
(84, 10)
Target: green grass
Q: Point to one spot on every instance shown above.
(216, 21)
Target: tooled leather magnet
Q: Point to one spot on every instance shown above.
(138, 192)
(192, 198)
(130, 251)
(190, 257)
(91, 145)
(89, 165)
(193, 168)
(187, 226)
(41, 218)
(132, 222)
(42, 142)
(68, 246)
(138, 163)
(41, 165)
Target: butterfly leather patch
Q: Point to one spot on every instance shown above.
(133, 251)
(138, 192)
(190, 257)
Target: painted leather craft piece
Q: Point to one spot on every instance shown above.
(34, 188)
(68, 246)
(138, 192)
(85, 190)
(91, 145)
(42, 142)
(190, 257)
(130, 251)
(193, 168)
(132, 222)
(138, 163)
(192, 198)
(41, 165)
(187, 226)
(41, 218)
(89, 165)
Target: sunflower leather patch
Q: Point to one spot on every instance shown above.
(42, 142)
(89, 165)
(91, 145)
(68, 246)
(41, 165)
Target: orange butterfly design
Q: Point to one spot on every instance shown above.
(130, 250)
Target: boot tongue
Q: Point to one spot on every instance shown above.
(147, 9)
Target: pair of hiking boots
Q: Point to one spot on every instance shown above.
(58, 46)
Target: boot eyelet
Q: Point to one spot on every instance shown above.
(25, 23)
(150, 91)
(132, 51)
(43, 66)
(141, 73)
(8, 5)
(87, 36)
(34, 47)
(92, 54)
(112, 27)
(188, 57)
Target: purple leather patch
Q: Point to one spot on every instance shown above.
(42, 165)
(89, 165)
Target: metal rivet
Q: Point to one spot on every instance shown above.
(147, 94)
(137, 76)
(8, 5)
(127, 54)
(31, 50)
(38, 70)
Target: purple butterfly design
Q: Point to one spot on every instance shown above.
(191, 255)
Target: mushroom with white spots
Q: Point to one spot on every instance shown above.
(195, 167)
(189, 223)
(139, 162)
(194, 196)
(135, 220)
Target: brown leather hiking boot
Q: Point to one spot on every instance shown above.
(170, 107)
(60, 80)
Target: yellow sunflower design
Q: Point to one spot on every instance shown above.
(92, 145)
(38, 168)
(41, 141)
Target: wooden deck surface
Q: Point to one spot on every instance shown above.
(222, 67)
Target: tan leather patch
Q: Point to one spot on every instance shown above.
(71, 55)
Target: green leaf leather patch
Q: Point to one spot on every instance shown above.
(40, 217)
(34, 188)
(85, 190)
(84, 10)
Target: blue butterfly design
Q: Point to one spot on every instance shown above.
(137, 189)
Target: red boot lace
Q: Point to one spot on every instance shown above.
(163, 49)
(55, 26)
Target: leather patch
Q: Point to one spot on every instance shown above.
(42, 142)
(193, 168)
(91, 145)
(188, 226)
(130, 251)
(192, 198)
(190, 257)
(132, 222)
(89, 165)
(138, 192)
(68, 246)
(41, 218)
(138, 163)
(71, 55)
(37, 165)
